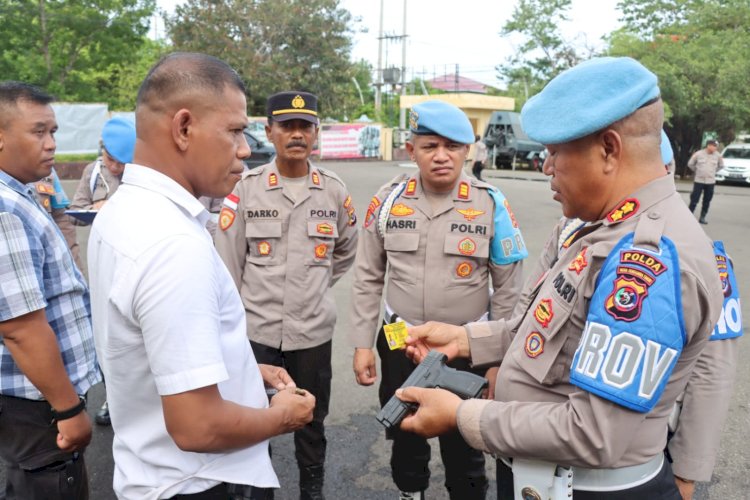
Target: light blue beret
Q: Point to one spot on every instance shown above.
(118, 136)
(588, 97)
(443, 119)
(666, 149)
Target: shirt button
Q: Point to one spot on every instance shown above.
(654, 215)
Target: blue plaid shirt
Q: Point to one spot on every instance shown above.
(37, 272)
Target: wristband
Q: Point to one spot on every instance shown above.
(70, 412)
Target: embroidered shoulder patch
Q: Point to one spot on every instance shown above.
(634, 330)
(226, 218)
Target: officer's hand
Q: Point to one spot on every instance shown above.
(74, 434)
(491, 376)
(364, 366)
(451, 340)
(296, 407)
(98, 205)
(276, 377)
(436, 414)
(686, 488)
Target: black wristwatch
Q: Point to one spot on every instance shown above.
(70, 412)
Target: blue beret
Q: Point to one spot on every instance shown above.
(666, 149)
(443, 119)
(118, 136)
(588, 97)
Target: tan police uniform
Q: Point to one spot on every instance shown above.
(105, 186)
(538, 413)
(705, 166)
(438, 262)
(438, 267)
(284, 255)
(45, 191)
(704, 408)
(700, 413)
(284, 249)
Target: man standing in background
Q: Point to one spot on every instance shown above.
(287, 233)
(705, 163)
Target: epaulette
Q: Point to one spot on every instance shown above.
(331, 175)
(481, 184)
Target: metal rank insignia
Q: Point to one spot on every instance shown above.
(469, 213)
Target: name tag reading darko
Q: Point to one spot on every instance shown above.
(395, 334)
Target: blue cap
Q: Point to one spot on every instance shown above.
(666, 149)
(587, 98)
(118, 136)
(443, 119)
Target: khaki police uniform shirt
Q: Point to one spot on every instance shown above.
(438, 262)
(106, 185)
(538, 413)
(705, 166)
(45, 190)
(284, 255)
(705, 405)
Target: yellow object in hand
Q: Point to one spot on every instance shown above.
(396, 334)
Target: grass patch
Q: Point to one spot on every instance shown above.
(66, 158)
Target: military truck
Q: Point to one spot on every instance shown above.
(506, 141)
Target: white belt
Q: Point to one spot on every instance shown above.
(531, 476)
(390, 313)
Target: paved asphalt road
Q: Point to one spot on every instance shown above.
(357, 462)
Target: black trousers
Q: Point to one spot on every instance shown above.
(465, 477)
(36, 469)
(224, 491)
(311, 370)
(661, 487)
(476, 169)
(708, 193)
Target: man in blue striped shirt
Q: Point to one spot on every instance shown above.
(47, 355)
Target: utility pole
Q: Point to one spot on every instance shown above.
(379, 75)
(402, 110)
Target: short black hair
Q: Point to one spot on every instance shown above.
(11, 92)
(186, 71)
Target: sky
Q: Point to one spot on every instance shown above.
(444, 33)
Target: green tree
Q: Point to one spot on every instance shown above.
(543, 53)
(702, 59)
(275, 45)
(72, 48)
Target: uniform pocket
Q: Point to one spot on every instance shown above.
(322, 235)
(263, 242)
(401, 242)
(550, 332)
(466, 246)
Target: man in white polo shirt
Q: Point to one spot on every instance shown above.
(187, 400)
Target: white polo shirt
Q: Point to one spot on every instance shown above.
(167, 319)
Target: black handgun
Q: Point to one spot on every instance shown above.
(431, 373)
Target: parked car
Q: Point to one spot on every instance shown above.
(261, 152)
(736, 164)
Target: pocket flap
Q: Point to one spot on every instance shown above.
(468, 246)
(401, 242)
(263, 229)
(322, 229)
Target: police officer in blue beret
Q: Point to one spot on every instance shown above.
(445, 239)
(611, 323)
(101, 178)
